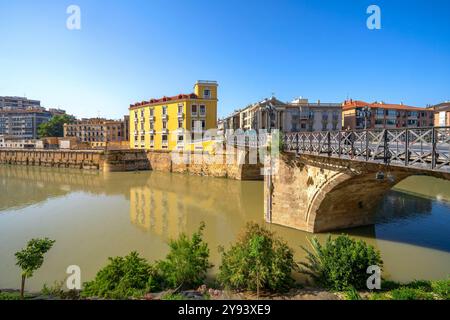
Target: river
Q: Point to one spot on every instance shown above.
(94, 215)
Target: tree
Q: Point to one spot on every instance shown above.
(31, 258)
(55, 126)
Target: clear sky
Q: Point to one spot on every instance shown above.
(128, 51)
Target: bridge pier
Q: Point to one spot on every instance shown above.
(319, 193)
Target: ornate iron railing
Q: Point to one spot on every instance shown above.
(424, 148)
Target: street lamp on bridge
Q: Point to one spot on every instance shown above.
(366, 112)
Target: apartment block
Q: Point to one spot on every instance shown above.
(173, 122)
(360, 115)
(441, 114)
(297, 115)
(97, 131)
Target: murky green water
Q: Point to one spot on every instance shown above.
(93, 216)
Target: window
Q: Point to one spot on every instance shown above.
(207, 93)
(180, 139)
(152, 125)
(180, 124)
(164, 110)
(180, 109)
(202, 110)
(152, 112)
(164, 124)
(194, 110)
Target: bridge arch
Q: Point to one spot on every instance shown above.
(318, 194)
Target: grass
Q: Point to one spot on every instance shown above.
(416, 290)
(12, 295)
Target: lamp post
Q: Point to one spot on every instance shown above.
(366, 113)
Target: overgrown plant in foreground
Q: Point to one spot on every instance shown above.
(124, 277)
(340, 263)
(259, 260)
(31, 258)
(187, 262)
(185, 266)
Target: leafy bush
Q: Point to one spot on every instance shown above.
(258, 260)
(340, 263)
(187, 263)
(122, 278)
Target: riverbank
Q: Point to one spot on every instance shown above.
(233, 164)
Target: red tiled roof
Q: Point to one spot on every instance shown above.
(181, 96)
(350, 104)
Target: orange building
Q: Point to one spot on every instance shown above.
(362, 115)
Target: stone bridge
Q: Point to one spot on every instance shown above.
(323, 183)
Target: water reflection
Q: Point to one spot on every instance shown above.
(94, 215)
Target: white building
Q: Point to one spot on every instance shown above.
(295, 116)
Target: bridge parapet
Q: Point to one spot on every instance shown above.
(421, 148)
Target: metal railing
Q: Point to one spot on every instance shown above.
(423, 148)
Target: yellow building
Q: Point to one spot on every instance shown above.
(172, 123)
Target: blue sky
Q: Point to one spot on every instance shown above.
(128, 51)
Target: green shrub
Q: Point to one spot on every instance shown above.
(340, 263)
(406, 293)
(122, 278)
(187, 263)
(441, 288)
(258, 260)
(352, 294)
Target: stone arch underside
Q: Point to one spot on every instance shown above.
(350, 201)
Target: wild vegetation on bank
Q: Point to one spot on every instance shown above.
(258, 263)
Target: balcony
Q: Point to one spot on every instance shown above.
(202, 114)
(165, 116)
(151, 118)
(165, 143)
(165, 131)
(151, 131)
(152, 144)
(180, 115)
